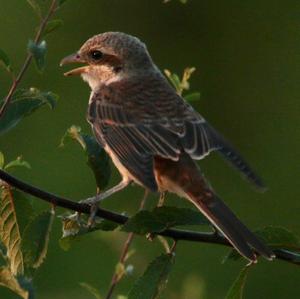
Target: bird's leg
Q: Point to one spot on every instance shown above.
(99, 197)
(93, 201)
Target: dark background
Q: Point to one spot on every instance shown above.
(247, 59)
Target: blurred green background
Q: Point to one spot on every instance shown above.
(247, 55)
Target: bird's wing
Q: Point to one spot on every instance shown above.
(148, 118)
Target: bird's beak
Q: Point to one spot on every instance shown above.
(74, 58)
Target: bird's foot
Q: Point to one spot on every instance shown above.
(93, 202)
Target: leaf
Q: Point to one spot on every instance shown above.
(23, 104)
(237, 288)
(35, 6)
(97, 159)
(10, 233)
(38, 52)
(19, 162)
(161, 218)
(72, 230)
(92, 290)
(174, 79)
(9, 281)
(2, 160)
(4, 60)
(275, 237)
(152, 282)
(36, 239)
(53, 25)
(192, 97)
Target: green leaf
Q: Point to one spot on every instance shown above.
(73, 231)
(38, 52)
(274, 236)
(8, 280)
(237, 288)
(2, 160)
(36, 239)
(53, 25)
(122, 297)
(19, 162)
(10, 231)
(161, 218)
(36, 7)
(97, 159)
(192, 97)
(4, 60)
(92, 290)
(23, 104)
(152, 282)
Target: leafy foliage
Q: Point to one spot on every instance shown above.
(23, 104)
(10, 232)
(74, 228)
(38, 52)
(97, 159)
(237, 288)
(161, 218)
(152, 282)
(36, 239)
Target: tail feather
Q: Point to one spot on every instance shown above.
(245, 242)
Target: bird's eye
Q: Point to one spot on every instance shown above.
(96, 55)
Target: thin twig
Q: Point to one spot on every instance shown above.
(175, 234)
(28, 59)
(115, 279)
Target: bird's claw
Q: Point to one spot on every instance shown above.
(93, 203)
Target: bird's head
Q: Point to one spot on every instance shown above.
(109, 57)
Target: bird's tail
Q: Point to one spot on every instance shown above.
(241, 238)
(184, 178)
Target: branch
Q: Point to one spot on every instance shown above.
(176, 234)
(28, 59)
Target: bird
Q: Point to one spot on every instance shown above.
(153, 136)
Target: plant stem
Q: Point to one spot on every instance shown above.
(17, 80)
(115, 279)
(176, 234)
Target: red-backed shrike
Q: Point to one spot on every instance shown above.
(153, 135)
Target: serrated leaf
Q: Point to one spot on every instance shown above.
(36, 239)
(10, 232)
(97, 159)
(4, 60)
(53, 25)
(38, 52)
(274, 237)
(92, 290)
(23, 104)
(2, 160)
(192, 97)
(36, 7)
(9, 281)
(161, 218)
(237, 288)
(19, 162)
(153, 281)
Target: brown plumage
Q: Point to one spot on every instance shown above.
(153, 135)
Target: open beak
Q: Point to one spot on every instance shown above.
(74, 58)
